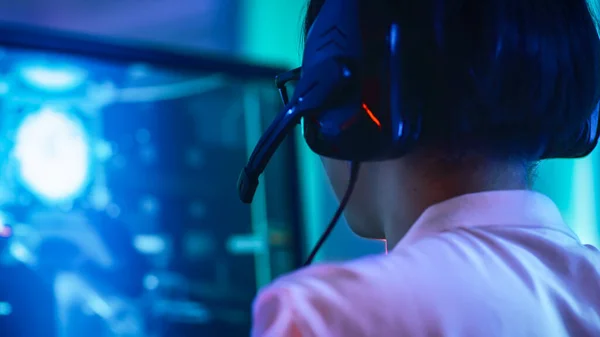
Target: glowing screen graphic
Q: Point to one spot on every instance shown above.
(53, 154)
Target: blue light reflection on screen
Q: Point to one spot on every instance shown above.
(53, 154)
(52, 78)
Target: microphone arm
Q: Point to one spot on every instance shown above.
(264, 150)
(311, 95)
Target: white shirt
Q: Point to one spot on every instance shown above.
(487, 264)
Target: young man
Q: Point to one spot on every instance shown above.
(472, 251)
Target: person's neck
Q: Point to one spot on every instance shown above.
(419, 188)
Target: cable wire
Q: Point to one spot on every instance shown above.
(354, 168)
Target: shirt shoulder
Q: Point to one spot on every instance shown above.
(349, 299)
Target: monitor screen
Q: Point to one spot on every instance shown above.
(118, 179)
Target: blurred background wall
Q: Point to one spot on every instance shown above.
(201, 25)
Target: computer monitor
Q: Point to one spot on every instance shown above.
(118, 169)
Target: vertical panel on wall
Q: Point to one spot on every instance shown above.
(573, 185)
(584, 202)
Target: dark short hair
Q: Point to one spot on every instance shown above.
(498, 76)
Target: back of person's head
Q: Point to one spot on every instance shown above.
(494, 77)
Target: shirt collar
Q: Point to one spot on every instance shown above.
(517, 207)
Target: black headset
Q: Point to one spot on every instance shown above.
(355, 114)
